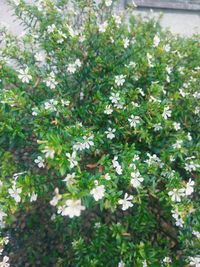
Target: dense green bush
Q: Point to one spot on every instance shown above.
(99, 134)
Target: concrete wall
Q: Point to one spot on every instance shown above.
(185, 23)
(181, 22)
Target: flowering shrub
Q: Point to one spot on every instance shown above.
(99, 134)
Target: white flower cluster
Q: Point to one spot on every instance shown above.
(71, 208)
(72, 67)
(98, 191)
(136, 178)
(85, 144)
(176, 193)
(15, 192)
(50, 81)
(117, 166)
(24, 75)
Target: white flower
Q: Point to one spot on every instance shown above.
(35, 111)
(51, 105)
(103, 26)
(15, 193)
(119, 105)
(166, 113)
(51, 81)
(153, 99)
(149, 60)
(2, 215)
(98, 192)
(168, 69)
(176, 194)
(86, 144)
(134, 4)
(33, 197)
(126, 42)
(110, 133)
(72, 32)
(108, 3)
(72, 159)
(6, 240)
(121, 264)
(152, 159)
(179, 222)
(189, 187)
(49, 152)
(183, 93)
(62, 36)
(53, 217)
(115, 162)
(69, 179)
(156, 41)
(24, 75)
(56, 198)
(88, 141)
(117, 19)
(195, 261)
(108, 110)
(144, 264)
(78, 62)
(189, 136)
(119, 170)
(196, 233)
(78, 146)
(167, 48)
(137, 179)
(107, 176)
(191, 166)
(82, 38)
(120, 79)
(126, 202)
(197, 110)
(157, 127)
(171, 158)
(181, 70)
(40, 56)
(16, 2)
(196, 95)
(72, 208)
(177, 126)
(178, 144)
(81, 95)
(132, 64)
(134, 120)
(115, 98)
(71, 68)
(141, 91)
(51, 28)
(117, 166)
(175, 214)
(5, 262)
(65, 103)
(136, 158)
(40, 162)
(167, 260)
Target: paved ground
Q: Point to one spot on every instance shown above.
(184, 23)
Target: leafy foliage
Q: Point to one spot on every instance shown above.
(99, 134)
